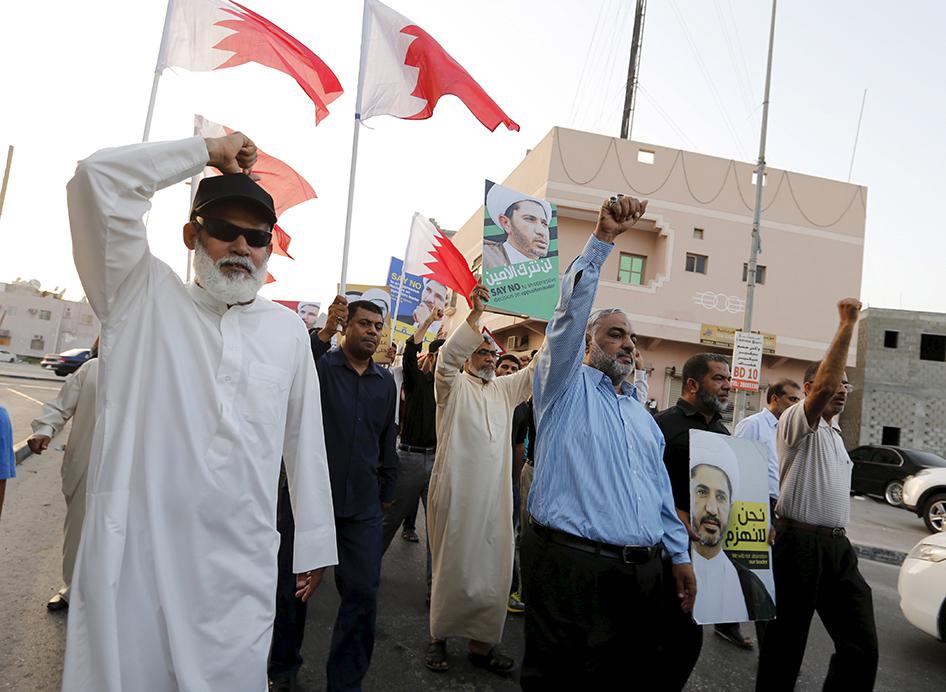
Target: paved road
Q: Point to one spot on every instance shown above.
(22, 399)
(31, 640)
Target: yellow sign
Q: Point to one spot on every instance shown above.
(748, 529)
(725, 337)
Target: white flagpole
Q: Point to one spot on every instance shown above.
(154, 96)
(354, 153)
(158, 69)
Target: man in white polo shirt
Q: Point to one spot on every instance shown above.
(814, 563)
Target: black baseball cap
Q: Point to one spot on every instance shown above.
(219, 188)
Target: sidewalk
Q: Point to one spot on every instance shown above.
(27, 371)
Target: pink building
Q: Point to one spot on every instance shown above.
(680, 273)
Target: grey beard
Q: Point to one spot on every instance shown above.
(711, 402)
(232, 290)
(609, 365)
(485, 374)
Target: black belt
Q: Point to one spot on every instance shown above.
(628, 554)
(417, 450)
(835, 532)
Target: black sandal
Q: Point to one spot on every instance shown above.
(436, 658)
(494, 662)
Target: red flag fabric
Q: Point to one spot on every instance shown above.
(202, 35)
(405, 71)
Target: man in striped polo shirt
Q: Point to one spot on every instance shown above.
(814, 563)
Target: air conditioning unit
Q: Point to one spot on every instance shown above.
(517, 342)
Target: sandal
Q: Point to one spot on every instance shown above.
(436, 658)
(732, 633)
(494, 662)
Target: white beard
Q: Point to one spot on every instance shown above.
(485, 374)
(231, 289)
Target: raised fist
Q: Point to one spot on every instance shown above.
(234, 153)
(617, 215)
(849, 310)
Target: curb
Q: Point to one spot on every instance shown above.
(22, 452)
(35, 378)
(890, 557)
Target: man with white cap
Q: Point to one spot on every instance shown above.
(727, 590)
(525, 221)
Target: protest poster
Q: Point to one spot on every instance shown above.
(729, 510)
(308, 310)
(382, 298)
(747, 361)
(520, 253)
(413, 302)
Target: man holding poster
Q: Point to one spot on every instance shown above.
(728, 509)
(520, 252)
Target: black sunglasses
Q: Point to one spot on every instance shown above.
(228, 232)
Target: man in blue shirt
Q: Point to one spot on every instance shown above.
(7, 457)
(601, 502)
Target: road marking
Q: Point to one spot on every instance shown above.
(25, 396)
(39, 386)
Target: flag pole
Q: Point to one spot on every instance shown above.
(354, 152)
(154, 96)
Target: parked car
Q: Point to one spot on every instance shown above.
(925, 494)
(922, 586)
(7, 356)
(879, 471)
(66, 362)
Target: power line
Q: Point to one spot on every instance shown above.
(730, 49)
(581, 78)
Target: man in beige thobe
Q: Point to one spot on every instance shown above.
(470, 497)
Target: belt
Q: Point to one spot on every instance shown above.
(836, 532)
(417, 450)
(628, 554)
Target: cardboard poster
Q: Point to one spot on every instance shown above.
(308, 310)
(729, 510)
(418, 297)
(520, 253)
(382, 298)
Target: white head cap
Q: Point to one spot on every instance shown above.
(714, 450)
(500, 198)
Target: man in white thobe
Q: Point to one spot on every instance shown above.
(202, 388)
(76, 401)
(470, 496)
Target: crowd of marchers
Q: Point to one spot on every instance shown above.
(222, 456)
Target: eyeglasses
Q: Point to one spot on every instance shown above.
(483, 353)
(228, 232)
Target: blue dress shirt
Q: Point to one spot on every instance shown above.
(599, 470)
(7, 457)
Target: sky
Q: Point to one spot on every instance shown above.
(76, 77)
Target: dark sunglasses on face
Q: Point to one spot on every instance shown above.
(228, 232)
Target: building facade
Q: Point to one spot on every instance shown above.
(680, 274)
(34, 322)
(900, 381)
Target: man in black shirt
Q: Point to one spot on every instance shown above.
(706, 385)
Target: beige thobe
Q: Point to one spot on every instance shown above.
(76, 400)
(470, 496)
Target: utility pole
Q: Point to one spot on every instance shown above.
(756, 244)
(633, 69)
(6, 177)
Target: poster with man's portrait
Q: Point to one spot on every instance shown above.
(308, 310)
(380, 296)
(414, 300)
(520, 253)
(729, 511)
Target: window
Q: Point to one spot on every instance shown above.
(933, 347)
(646, 156)
(37, 343)
(86, 320)
(765, 178)
(890, 339)
(631, 270)
(45, 315)
(759, 273)
(696, 263)
(67, 313)
(889, 436)
(4, 337)
(698, 234)
(11, 310)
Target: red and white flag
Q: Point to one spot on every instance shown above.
(404, 72)
(278, 178)
(430, 254)
(203, 35)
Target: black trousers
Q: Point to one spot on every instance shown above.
(589, 620)
(285, 656)
(818, 573)
(681, 639)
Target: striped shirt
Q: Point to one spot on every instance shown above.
(815, 473)
(599, 472)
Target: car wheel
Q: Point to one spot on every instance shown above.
(61, 373)
(893, 493)
(934, 513)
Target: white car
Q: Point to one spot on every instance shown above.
(922, 586)
(7, 356)
(925, 493)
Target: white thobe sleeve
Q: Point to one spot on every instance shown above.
(108, 196)
(641, 387)
(307, 470)
(458, 347)
(57, 412)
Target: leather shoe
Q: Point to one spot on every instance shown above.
(57, 603)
